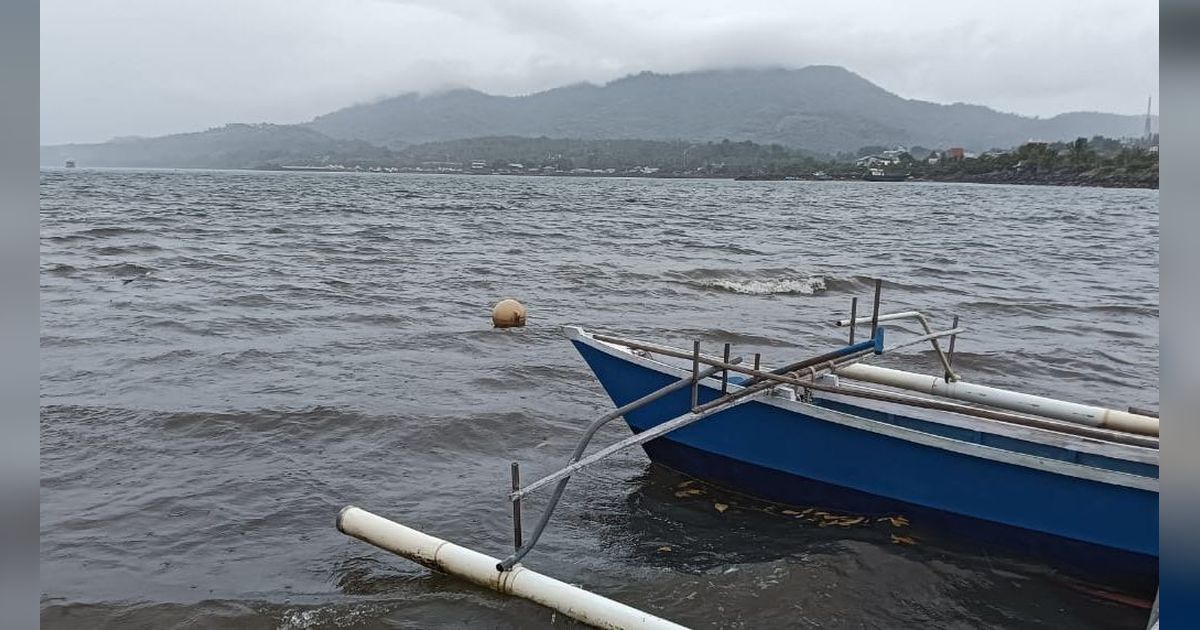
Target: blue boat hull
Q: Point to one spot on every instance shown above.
(785, 456)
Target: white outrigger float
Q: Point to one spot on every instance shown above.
(1066, 482)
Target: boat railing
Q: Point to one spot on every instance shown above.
(946, 358)
(951, 386)
(803, 378)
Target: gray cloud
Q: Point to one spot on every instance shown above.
(146, 67)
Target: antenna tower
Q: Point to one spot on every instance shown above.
(1148, 134)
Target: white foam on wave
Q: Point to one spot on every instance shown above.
(776, 286)
(329, 616)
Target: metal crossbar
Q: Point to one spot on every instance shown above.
(920, 317)
(522, 549)
(703, 411)
(839, 357)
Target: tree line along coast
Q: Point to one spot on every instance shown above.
(1096, 161)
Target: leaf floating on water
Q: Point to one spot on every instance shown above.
(721, 507)
(848, 522)
(896, 521)
(903, 540)
(665, 548)
(689, 492)
(791, 513)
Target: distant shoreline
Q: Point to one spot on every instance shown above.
(997, 177)
(1018, 179)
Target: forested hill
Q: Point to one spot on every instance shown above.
(821, 109)
(231, 146)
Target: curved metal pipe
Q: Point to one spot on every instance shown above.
(508, 562)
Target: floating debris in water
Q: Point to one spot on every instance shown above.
(903, 540)
(896, 521)
(721, 507)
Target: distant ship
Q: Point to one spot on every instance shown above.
(879, 175)
(70, 163)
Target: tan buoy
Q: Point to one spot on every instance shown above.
(508, 314)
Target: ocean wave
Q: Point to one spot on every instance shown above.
(61, 269)
(109, 231)
(125, 269)
(125, 250)
(733, 248)
(770, 281)
(776, 286)
(905, 282)
(850, 284)
(247, 300)
(70, 238)
(1043, 308)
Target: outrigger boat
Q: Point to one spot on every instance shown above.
(1069, 482)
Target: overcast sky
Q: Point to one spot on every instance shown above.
(150, 67)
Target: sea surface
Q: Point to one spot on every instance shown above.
(229, 358)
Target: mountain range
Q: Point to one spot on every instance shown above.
(819, 109)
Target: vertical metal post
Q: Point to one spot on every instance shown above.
(875, 310)
(695, 374)
(853, 316)
(516, 507)
(725, 374)
(950, 352)
(757, 361)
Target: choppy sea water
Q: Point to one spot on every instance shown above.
(228, 358)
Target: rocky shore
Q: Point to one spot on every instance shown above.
(1104, 180)
(1100, 180)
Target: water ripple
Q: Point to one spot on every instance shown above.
(229, 357)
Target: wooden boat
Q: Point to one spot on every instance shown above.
(1068, 482)
(853, 437)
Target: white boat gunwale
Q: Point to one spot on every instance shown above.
(1032, 434)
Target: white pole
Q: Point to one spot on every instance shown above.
(1004, 399)
(480, 569)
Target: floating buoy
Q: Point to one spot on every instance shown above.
(508, 313)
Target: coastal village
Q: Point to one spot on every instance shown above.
(1101, 161)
